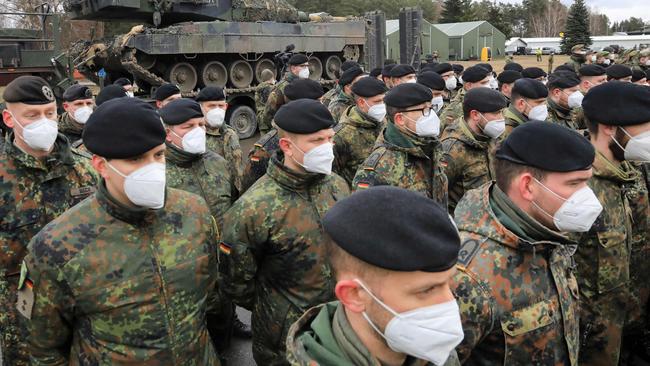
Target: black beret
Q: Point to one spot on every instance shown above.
(180, 111)
(375, 72)
(122, 82)
(565, 67)
(110, 92)
(443, 68)
(638, 75)
(165, 91)
(28, 90)
(211, 93)
(303, 116)
(76, 92)
(123, 128)
(514, 67)
(385, 71)
(547, 146)
(486, 66)
(427, 67)
(303, 88)
(617, 103)
(408, 95)
(484, 100)
(368, 87)
(458, 68)
(562, 80)
(298, 59)
(349, 75)
(401, 70)
(533, 73)
(349, 64)
(509, 76)
(432, 80)
(475, 74)
(530, 88)
(592, 70)
(414, 234)
(617, 71)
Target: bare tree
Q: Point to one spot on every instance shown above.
(598, 23)
(549, 22)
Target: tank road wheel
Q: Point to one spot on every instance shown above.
(145, 60)
(261, 65)
(352, 52)
(240, 74)
(315, 68)
(242, 119)
(183, 75)
(213, 73)
(332, 67)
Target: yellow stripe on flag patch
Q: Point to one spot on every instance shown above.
(225, 248)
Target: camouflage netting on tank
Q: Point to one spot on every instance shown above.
(264, 10)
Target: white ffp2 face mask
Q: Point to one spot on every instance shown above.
(303, 73)
(494, 128)
(82, 114)
(40, 134)
(637, 148)
(377, 111)
(451, 83)
(145, 187)
(575, 99)
(427, 126)
(194, 141)
(437, 103)
(429, 333)
(538, 113)
(578, 213)
(318, 159)
(215, 117)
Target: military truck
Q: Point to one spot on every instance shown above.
(226, 43)
(35, 51)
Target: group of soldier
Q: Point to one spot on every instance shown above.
(436, 216)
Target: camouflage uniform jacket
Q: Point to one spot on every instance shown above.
(225, 142)
(513, 118)
(259, 157)
(453, 111)
(203, 174)
(353, 142)
(466, 160)
(604, 257)
(32, 193)
(118, 285)
(262, 96)
(71, 129)
(274, 102)
(330, 95)
(407, 161)
(560, 115)
(273, 252)
(323, 336)
(518, 297)
(578, 118)
(575, 63)
(339, 105)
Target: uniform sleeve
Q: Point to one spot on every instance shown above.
(450, 161)
(50, 326)
(341, 155)
(234, 157)
(240, 252)
(475, 310)
(256, 165)
(371, 172)
(273, 103)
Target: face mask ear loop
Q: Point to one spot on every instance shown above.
(114, 169)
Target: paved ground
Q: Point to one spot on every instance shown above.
(240, 350)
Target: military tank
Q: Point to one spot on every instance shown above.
(199, 43)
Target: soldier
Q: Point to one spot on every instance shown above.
(538, 53)
(407, 153)
(515, 284)
(550, 62)
(590, 76)
(578, 57)
(639, 77)
(221, 138)
(190, 166)
(108, 93)
(619, 73)
(334, 92)
(78, 104)
(473, 77)
(273, 258)
(467, 144)
(261, 152)
(563, 96)
(602, 59)
(534, 73)
(394, 303)
(345, 99)
(375, 73)
(385, 74)
(126, 84)
(612, 256)
(528, 103)
(40, 178)
(506, 81)
(401, 74)
(644, 60)
(451, 82)
(298, 69)
(436, 84)
(125, 276)
(263, 91)
(359, 127)
(165, 94)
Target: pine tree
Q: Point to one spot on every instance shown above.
(455, 10)
(577, 27)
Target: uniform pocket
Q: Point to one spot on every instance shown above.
(528, 330)
(613, 260)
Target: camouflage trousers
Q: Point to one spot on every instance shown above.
(602, 318)
(13, 331)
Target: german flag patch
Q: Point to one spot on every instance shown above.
(255, 159)
(225, 248)
(363, 185)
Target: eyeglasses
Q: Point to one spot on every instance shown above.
(426, 111)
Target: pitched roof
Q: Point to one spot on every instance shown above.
(458, 29)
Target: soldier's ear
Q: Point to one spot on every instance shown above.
(99, 164)
(7, 118)
(285, 146)
(351, 295)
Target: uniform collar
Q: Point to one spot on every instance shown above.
(288, 178)
(133, 216)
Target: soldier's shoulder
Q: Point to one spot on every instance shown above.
(373, 160)
(184, 202)
(266, 139)
(80, 154)
(212, 158)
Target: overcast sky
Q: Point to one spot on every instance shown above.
(616, 10)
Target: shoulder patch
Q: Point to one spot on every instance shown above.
(25, 302)
(75, 149)
(266, 138)
(468, 250)
(373, 159)
(225, 248)
(338, 127)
